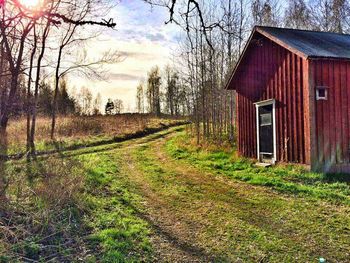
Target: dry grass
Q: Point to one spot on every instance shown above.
(42, 212)
(49, 200)
(81, 127)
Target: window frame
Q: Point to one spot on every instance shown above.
(323, 88)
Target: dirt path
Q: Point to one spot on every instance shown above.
(200, 217)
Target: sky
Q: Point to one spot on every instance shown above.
(143, 40)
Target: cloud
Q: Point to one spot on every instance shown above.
(125, 77)
(139, 21)
(136, 54)
(147, 33)
(155, 37)
(143, 39)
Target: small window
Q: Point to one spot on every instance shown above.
(265, 119)
(321, 93)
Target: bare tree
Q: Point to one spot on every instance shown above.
(29, 92)
(297, 15)
(14, 29)
(140, 98)
(16, 23)
(97, 104)
(171, 90)
(181, 13)
(265, 12)
(206, 67)
(118, 106)
(331, 15)
(43, 39)
(153, 91)
(85, 101)
(69, 37)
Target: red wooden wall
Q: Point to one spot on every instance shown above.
(332, 116)
(269, 71)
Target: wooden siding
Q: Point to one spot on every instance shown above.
(332, 116)
(269, 71)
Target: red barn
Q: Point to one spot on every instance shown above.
(293, 98)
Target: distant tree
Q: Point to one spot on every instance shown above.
(118, 106)
(340, 16)
(97, 105)
(297, 15)
(153, 91)
(65, 102)
(85, 99)
(322, 15)
(140, 99)
(45, 98)
(109, 108)
(172, 91)
(265, 13)
(331, 15)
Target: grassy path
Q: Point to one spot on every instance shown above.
(140, 204)
(195, 216)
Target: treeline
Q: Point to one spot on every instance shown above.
(215, 37)
(67, 104)
(114, 107)
(164, 92)
(81, 102)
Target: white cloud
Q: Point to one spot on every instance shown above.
(143, 39)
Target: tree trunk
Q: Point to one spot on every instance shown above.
(57, 82)
(36, 92)
(29, 102)
(3, 155)
(15, 67)
(2, 78)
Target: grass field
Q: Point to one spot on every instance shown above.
(81, 130)
(161, 198)
(291, 179)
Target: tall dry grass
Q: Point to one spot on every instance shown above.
(79, 127)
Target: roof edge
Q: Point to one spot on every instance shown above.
(280, 42)
(239, 60)
(260, 30)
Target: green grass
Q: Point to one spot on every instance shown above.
(79, 198)
(113, 211)
(241, 222)
(43, 213)
(290, 179)
(109, 203)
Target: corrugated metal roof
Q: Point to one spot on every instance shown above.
(312, 43)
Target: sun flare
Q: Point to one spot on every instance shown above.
(30, 3)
